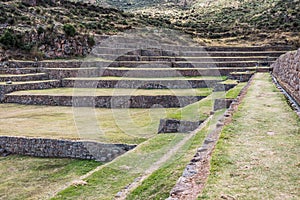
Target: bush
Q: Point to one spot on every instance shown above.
(69, 30)
(91, 41)
(40, 30)
(8, 39)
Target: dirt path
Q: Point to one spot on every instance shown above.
(258, 154)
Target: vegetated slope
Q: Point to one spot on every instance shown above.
(42, 30)
(27, 28)
(275, 22)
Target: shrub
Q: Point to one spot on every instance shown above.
(69, 30)
(91, 41)
(8, 39)
(40, 30)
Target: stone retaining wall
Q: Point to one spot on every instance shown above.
(166, 101)
(142, 84)
(33, 77)
(222, 103)
(135, 64)
(4, 89)
(241, 76)
(287, 72)
(95, 72)
(177, 126)
(40, 147)
(223, 87)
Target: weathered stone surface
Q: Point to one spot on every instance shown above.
(4, 89)
(223, 87)
(241, 77)
(166, 101)
(222, 103)
(141, 84)
(287, 72)
(40, 147)
(177, 126)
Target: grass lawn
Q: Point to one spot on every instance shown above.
(201, 110)
(36, 178)
(257, 156)
(104, 125)
(115, 92)
(113, 177)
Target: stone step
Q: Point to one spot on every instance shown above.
(146, 83)
(23, 77)
(87, 99)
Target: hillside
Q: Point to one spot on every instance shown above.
(64, 29)
(250, 22)
(38, 29)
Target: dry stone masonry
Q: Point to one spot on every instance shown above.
(177, 126)
(40, 147)
(287, 72)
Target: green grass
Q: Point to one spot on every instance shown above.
(35, 178)
(159, 184)
(104, 125)
(105, 183)
(257, 156)
(234, 92)
(194, 112)
(229, 81)
(113, 177)
(115, 92)
(201, 109)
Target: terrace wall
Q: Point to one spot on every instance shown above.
(4, 89)
(166, 101)
(40, 147)
(142, 84)
(177, 126)
(287, 72)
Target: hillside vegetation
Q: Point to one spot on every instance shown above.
(274, 22)
(28, 28)
(36, 29)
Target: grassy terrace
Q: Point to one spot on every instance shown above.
(36, 178)
(115, 125)
(150, 79)
(201, 109)
(27, 82)
(115, 92)
(111, 178)
(257, 156)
